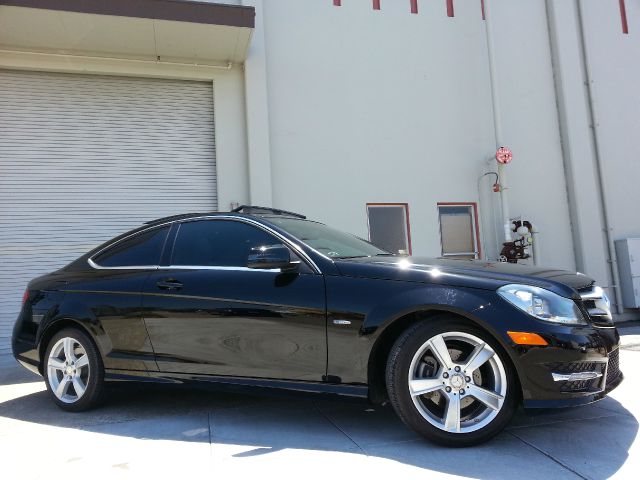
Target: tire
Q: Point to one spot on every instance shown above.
(486, 396)
(73, 370)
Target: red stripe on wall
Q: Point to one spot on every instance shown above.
(484, 17)
(449, 8)
(376, 4)
(414, 6)
(623, 15)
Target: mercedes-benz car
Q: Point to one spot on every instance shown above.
(264, 297)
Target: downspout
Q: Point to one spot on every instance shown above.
(600, 170)
(554, 49)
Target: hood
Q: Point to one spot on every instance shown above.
(465, 273)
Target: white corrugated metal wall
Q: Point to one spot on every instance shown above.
(83, 158)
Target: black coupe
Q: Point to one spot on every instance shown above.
(264, 297)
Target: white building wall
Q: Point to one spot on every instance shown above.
(529, 124)
(370, 106)
(614, 65)
(386, 106)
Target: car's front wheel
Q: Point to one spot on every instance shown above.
(73, 371)
(451, 382)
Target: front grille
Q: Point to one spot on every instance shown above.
(576, 367)
(581, 385)
(613, 370)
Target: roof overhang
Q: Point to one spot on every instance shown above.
(158, 30)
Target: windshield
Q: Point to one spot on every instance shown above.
(326, 240)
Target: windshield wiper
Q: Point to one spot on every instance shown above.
(351, 256)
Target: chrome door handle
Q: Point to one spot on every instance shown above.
(169, 284)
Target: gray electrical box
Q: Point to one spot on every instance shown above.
(628, 253)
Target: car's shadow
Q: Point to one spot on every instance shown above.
(264, 422)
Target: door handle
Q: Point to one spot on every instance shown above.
(169, 284)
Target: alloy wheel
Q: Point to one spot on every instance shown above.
(68, 370)
(457, 382)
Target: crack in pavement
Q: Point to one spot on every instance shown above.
(326, 417)
(549, 456)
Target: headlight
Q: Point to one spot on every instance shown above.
(543, 304)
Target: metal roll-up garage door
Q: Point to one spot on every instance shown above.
(84, 157)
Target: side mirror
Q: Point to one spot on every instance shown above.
(271, 256)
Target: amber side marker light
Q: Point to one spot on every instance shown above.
(526, 338)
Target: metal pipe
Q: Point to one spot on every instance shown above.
(481, 210)
(504, 202)
(535, 235)
(497, 122)
(495, 99)
(600, 170)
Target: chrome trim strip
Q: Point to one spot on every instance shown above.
(232, 269)
(132, 267)
(576, 376)
(299, 251)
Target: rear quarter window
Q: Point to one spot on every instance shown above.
(143, 249)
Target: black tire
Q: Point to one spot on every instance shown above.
(95, 375)
(397, 381)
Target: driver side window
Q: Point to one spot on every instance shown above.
(217, 243)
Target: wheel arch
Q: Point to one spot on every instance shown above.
(393, 328)
(56, 326)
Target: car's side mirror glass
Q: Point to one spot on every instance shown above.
(271, 256)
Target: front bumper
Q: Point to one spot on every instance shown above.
(592, 347)
(578, 367)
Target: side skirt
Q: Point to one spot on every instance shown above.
(360, 391)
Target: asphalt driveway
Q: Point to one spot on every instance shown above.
(150, 431)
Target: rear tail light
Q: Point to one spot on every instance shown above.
(25, 297)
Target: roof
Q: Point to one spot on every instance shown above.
(243, 210)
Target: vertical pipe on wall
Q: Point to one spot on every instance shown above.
(504, 202)
(449, 8)
(623, 16)
(497, 120)
(600, 170)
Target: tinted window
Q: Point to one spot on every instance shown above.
(327, 240)
(223, 243)
(142, 249)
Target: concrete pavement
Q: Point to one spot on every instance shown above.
(146, 431)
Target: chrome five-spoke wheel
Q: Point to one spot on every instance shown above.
(451, 381)
(457, 382)
(74, 371)
(68, 370)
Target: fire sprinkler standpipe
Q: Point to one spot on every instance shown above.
(504, 157)
(504, 201)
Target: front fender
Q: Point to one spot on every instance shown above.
(373, 305)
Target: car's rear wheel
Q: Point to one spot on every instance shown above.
(451, 382)
(73, 372)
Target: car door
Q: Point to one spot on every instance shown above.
(207, 313)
